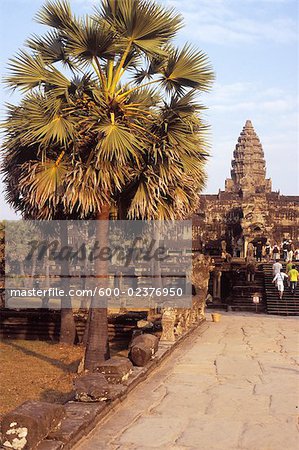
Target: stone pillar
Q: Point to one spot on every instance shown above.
(168, 323)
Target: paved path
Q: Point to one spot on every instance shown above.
(233, 387)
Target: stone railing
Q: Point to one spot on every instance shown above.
(176, 321)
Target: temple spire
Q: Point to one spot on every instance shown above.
(248, 174)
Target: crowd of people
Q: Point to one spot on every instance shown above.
(291, 275)
(286, 251)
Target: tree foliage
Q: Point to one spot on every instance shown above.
(109, 114)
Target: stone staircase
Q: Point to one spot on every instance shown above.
(289, 305)
(243, 291)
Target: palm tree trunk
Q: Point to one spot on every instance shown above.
(97, 346)
(68, 326)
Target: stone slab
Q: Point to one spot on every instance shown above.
(270, 436)
(27, 425)
(78, 417)
(116, 370)
(50, 445)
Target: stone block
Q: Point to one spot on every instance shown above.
(149, 340)
(79, 416)
(27, 425)
(116, 370)
(92, 387)
(140, 355)
(50, 444)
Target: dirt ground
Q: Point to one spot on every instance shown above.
(38, 371)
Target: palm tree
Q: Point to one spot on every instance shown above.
(109, 118)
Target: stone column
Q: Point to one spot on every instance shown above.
(168, 323)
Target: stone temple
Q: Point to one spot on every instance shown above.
(247, 210)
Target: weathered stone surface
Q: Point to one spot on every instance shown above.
(274, 436)
(30, 423)
(221, 433)
(140, 355)
(168, 323)
(187, 404)
(116, 370)
(92, 387)
(50, 445)
(154, 430)
(149, 340)
(78, 417)
(248, 200)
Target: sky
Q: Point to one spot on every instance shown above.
(253, 48)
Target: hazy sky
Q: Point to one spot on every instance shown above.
(253, 47)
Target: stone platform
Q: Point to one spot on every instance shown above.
(235, 387)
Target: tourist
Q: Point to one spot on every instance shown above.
(293, 277)
(296, 254)
(279, 282)
(264, 252)
(250, 250)
(289, 267)
(276, 252)
(268, 251)
(209, 299)
(285, 250)
(259, 251)
(277, 267)
(290, 250)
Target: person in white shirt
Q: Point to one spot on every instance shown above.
(279, 281)
(276, 268)
(276, 252)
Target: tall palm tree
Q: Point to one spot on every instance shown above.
(109, 118)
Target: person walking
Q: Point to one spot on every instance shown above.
(276, 268)
(296, 254)
(285, 249)
(293, 277)
(268, 251)
(290, 251)
(289, 267)
(276, 252)
(279, 282)
(259, 251)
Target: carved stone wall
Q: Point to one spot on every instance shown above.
(247, 209)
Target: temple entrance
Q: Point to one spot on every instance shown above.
(234, 233)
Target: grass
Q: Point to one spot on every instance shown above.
(37, 370)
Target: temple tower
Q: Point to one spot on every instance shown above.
(248, 174)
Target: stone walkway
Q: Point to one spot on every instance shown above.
(235, 386)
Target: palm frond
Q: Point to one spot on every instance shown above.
(187, 68)
(51, 48)
(118, 143)
(145, 24)
(28, 72)
(56, 14)
(43, 183)
(88, 39)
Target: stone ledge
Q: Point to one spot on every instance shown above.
(30, 423)
(50, 445)
(82, 418)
